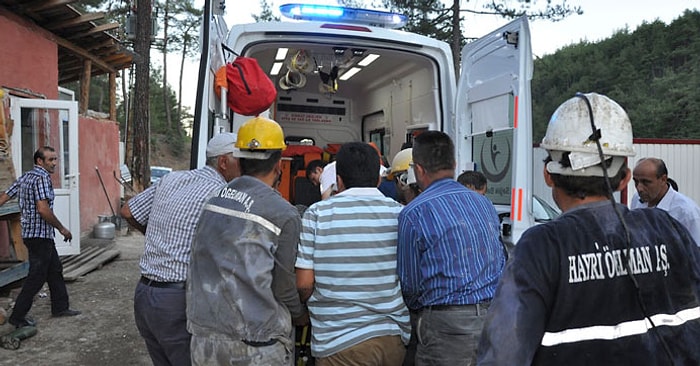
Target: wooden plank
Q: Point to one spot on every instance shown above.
(14, 273)
(21, 252)
(82, 260)
(84, 256)
(74, 258)
(94, 264)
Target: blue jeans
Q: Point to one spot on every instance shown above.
(44, 266)
(449, 336)
(161, 319)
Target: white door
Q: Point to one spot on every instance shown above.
(494, 119)
(37, 123)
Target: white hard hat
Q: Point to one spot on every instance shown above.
(401, 162)
(570, 130)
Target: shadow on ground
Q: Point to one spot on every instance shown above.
(105, 333)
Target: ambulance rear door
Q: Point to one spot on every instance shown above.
(494, 121)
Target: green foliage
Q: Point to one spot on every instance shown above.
(99, 92)
(427, 17)
(652, 72)
(266, 13)
(174, 136)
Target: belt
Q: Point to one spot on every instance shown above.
(151, 283)
(476, 307)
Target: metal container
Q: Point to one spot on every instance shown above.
(104, 230)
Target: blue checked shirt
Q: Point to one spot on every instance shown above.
(34, 185)
(449, 250)
(170, 210)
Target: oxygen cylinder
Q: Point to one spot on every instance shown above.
(13, 339)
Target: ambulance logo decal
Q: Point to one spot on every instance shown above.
(496, 162)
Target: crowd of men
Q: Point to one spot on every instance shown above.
(230, 267)
(421, 277)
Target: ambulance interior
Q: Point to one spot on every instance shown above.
(332, 93)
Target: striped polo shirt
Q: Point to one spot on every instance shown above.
(349, 241)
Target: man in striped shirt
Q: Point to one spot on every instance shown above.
(167, 213)
(450, 256)
(346, 268)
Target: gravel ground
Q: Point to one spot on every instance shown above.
(105, 333)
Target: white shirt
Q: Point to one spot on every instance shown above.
(680, 207)
(327, 178)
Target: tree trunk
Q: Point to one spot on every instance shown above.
(456, 38)
(166, 93)
(141, 127)
(127, 118)
(179, 84)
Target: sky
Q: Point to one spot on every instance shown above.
(600, 20)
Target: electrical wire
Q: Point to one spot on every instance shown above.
(595, 136)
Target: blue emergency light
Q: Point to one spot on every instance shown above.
(341, 14)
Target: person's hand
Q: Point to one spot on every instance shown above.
(67, 236)
(302, 320)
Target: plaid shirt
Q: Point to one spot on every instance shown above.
(34, 185)
(170, 210)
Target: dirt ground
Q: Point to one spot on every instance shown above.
(105, 333)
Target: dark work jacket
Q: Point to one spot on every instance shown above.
(566, 297)
(241, 284)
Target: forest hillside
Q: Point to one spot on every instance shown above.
(652, 72)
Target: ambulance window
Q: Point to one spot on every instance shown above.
(377, 137)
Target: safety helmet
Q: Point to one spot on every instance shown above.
(570, 130)
(259, 137)
(400, 163)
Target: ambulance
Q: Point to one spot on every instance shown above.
(348, 74)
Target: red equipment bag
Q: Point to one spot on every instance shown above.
(250, 90)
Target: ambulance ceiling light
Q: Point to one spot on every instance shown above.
(276, 67)
(368, 59)
(281, 54)
(341, 14)
(350, 73)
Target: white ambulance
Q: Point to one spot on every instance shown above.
(346, 75)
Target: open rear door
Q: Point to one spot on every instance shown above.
(494, 121)
(208, 106)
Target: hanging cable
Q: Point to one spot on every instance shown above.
(595, 136)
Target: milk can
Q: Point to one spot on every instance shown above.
(104, 229)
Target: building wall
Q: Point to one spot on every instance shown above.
(99, 148)
(29, 68)
(30, 57)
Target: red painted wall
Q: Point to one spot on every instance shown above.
(30, 63)
(30, 57)
(98, 147)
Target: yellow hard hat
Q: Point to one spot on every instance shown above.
(260, 134)
(400, 163)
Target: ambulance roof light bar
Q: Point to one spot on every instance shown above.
(339, 14)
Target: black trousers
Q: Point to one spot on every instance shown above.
(44, 266)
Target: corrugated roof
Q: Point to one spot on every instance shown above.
(79, 37)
